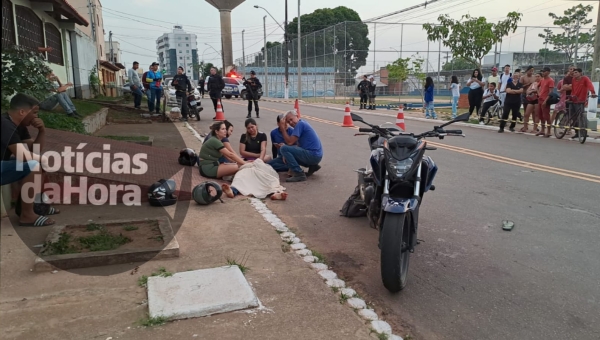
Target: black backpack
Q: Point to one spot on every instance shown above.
(354, 206)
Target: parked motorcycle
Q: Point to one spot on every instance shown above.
(195, 107)
(392, 189)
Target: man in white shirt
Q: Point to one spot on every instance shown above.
(504, 81)
(490, 97)
(135, 85)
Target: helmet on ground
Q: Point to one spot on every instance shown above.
(162, 193)
(202, 195)
(188, 157)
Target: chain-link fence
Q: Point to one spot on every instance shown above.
(334, 60)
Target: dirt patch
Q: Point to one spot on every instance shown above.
(100, 237)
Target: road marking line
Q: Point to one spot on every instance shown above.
(484, 155)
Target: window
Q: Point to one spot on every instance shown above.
(53, 39)
(29, 29)
(179, 51)
(180, 58)
(8, 24)
(187, 51)
(187, 45)
(187, 38)
(179, 45)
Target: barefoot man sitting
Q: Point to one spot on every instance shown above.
(308, 152)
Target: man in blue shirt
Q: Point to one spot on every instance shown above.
(277, 137)
(308, 152)
(154, 79)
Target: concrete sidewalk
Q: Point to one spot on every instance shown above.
(107, 302)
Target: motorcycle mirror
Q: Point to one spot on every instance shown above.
(393, 129)
(463, 118)
(356, 117)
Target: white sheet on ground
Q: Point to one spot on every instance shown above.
(257, 179)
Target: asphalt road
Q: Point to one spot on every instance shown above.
(468, 279)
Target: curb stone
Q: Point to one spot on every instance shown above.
(330, 277)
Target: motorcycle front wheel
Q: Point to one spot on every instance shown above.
(394, 251)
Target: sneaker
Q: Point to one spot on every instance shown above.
(76, 114)
(248, 116)
(312, 169)
(481, 123)
(511, 130)
(500, 131)
(297, 177)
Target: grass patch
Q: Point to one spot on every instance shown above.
(93, 226)
(319, 256)
(108, 99)
(62, 246)
(58, 119)
(103, 241)
(128, 138)
(162, 272)
(152, 322)
(344, 298)
(130, 228)
(242, 264)
(335, 289)
(382, 336)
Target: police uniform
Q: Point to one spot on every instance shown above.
(372, 87)
(363, 88)
(252, 86)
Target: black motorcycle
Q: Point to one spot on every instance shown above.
(194, 106)
(392, 192)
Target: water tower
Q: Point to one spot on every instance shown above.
(225, 7)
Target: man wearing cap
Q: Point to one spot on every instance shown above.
(135, 85)
(154, 80)
(252, 85)
(494, 78)
(545, 88)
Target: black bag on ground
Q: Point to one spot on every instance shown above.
(354, 206)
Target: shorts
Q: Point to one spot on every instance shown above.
(11, 173)
(209, 170)
(544, 112)
(533, 102)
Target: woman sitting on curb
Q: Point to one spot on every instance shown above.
(212, 150)
(253, 144)
(225, 142)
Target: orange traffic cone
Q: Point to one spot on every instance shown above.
(297, 108)
(347, 118)
(219, 116)
(400, 119)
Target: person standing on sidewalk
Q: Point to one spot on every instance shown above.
(215, 87)
(252, 87)
(135, 85)
(582, 85)
(512, 102)
(455, 88)
(154, 80)
(429, 105)
(476, 92)
(201, 87)
(146, 85)
(308, 152)
(503, 82)
(546, 87)
(372, 88)
(526, 80)
(363, 91)
(181, 82)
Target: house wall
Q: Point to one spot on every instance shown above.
(84, 60)
(94, 18)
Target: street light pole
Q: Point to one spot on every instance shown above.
(265, 56)
(287, 54)
(299, 55)
(243, 55)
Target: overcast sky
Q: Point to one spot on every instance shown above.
(128, 20)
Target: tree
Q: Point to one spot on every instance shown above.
(340, 40)
(458, 64)
(206, 68)
(410, 69)
(551, 57)
(471, 38)
(24, 71)
(569, 39)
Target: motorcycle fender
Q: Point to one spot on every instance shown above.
(398, 205)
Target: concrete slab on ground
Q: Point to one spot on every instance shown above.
(200, 293)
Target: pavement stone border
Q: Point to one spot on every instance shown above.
(339, 286)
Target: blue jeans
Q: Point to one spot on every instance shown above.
(430, 110)
(11, 173)
(295, 157)
(61, 98)
(454, 106)
(137, 96)
(154, 96)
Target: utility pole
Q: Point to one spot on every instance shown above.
(596, 61)
(265, 55)
(243, 55)
(576, 42)
(299, 56)
(112, 56)
(287, 54)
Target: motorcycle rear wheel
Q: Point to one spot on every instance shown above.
(394, 251)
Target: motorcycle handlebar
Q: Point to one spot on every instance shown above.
(454, 132)
(364, 130)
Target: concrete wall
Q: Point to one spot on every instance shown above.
(82, 8)
(84, 59)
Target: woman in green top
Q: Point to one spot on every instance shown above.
(212, 150)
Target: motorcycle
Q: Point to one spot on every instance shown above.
(194, 106)
(392, 190)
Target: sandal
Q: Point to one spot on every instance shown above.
(539, 134)
(508, 225)
(41, 221)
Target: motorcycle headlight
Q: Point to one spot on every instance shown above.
(399, 168)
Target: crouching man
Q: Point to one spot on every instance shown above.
(25, 165)
(308, 152)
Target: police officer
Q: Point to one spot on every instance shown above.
(372, 87)
(252, 86)
(181, 82)
(201, 86)
(363, 90)
(215, 87)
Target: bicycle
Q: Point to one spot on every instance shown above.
(494, 111)
(577, 120)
